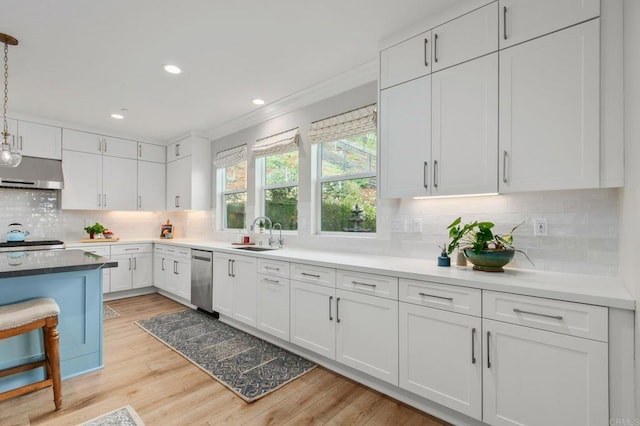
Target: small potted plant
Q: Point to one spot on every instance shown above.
(94, 230)
(485, 250)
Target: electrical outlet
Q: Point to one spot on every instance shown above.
(539, 227)
(398, 225)
(417, 224)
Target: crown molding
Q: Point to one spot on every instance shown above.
(351, 79)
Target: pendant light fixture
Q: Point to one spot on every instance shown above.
(8, 157)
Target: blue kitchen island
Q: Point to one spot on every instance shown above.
(73, 278)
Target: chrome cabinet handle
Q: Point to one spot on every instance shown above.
(139, 150)
(129, 263)
(425, 172)
(450, 299)
(269, 280)
(435, 48)
(99, 144)
(488, 349)
(504, 22)
(135, 263)
(175, 267)
(233, 267)
(162, 264)
(104, 200)
(361, 283)
(177, 149)
(13, 140)
(426, 42)
(309, 275)
(330, 315)
(435, 173)
(504, 166)
(270, 268)
(338, 309)
(473, 345)
(105, 145)
(99, 199)
(520, 311)
(132, 249)
(139, 201)
(178, 201)
(228, 267)
(21, 143)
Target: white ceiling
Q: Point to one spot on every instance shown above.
(80, 60)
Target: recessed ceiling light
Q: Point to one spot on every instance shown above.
(117, 116)
(172, 69)
(258, 101)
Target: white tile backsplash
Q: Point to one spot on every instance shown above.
(582, 225)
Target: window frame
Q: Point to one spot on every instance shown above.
(262, 187)
(222, 184)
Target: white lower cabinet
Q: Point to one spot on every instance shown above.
(536, 377)
(172, 270)
(273, 298)
(367, 334)
(235, 287)
(134, 267)
(441, 357)
(313, 318)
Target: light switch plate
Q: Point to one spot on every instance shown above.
(398, 225)
(417, 224)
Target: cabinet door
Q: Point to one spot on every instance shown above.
(81, 141)
(222, 285)
(121, 275)
(550, 112)
(465, 128)
(179, 184)
(535, 377)
(160, 271)
(151, 152)
(178, 150)
(245, 302)
(367, 334)
(273, 305)
(119, 189)
(40, 140)
(151, 186)
(142, 270)
(82, 180)
(313, 318)
(469, 36)
(116, 147)
(522, 20)
(441, 357)
(102, 250)
(406, 60)
(405, 139)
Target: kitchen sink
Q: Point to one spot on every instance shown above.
(254, 248)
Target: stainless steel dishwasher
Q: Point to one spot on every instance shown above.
(202, 279)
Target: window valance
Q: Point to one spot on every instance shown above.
(231, 156)
(279, 143)
(357, 122)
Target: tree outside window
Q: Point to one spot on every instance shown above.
(234, 195)
(348, 179)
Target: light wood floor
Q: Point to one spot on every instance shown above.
(166, 389)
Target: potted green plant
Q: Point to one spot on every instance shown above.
(94, 230)
(484, 249)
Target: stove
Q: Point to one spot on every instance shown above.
(31, 245)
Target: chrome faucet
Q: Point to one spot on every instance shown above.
(267, 220)
(280, 239)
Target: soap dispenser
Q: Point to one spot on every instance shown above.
(443, 259)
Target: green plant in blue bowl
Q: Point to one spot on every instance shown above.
(485, 250)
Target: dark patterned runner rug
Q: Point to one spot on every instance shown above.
(247, 365)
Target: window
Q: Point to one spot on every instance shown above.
(232, 184)
(347, 146)
(277, 168)
(281, 189)
(348, 184)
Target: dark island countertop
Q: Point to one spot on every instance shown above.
(39, 262)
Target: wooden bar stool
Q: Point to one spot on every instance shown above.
(23, 317)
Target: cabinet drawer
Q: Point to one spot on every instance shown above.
(313, 274)
(448, 297)
(99, 250)
(570, 318)
(376, 285)
(130, 249)
(273, 267)
(178, 252)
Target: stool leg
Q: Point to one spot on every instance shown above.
(52, 353)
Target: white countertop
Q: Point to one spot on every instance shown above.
(595, 290)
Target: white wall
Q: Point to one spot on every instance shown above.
(582, 225)
(630, 201)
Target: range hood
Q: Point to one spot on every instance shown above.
(33, 172)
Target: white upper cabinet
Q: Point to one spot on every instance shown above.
(522, 20)
(82, 180)
(189, 174)
(116, 147)
(465, 128)
(467, 37)
(119, 191)
(81, 141)
(406, 60)
(405, 139)
(151, 186)
(151, 152)
(39, 140)
(550, 111)
(179, 149)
